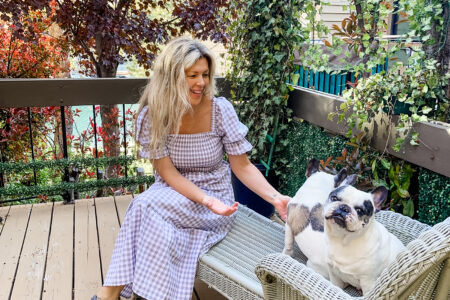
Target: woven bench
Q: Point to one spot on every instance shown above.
(255, 243)
(229, 266)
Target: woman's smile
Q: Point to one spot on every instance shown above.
(197, 78)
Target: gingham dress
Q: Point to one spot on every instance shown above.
(164, 233)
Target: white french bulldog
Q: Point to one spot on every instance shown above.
(305, 221)
(358, 248)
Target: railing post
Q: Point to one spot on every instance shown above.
(95, 136)
(75, 175)
(2, 176)
(140, 172)
(125, 137)
(31, 142)
(67, 195)
(100, 176)
(71, 193)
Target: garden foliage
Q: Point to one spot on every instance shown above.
(263, 38)
(105, 33)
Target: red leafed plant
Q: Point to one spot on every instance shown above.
(41, 53)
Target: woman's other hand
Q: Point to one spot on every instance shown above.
(218, 207)
(280, 204)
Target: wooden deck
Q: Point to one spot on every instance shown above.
(56, 251)
(62, 252)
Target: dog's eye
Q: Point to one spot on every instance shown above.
(334, 198)
(358, 210)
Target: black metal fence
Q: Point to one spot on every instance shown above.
(62, 93)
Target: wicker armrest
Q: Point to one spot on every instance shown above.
(405, 228)
(416, 270)
(421, 271)
(276, 270)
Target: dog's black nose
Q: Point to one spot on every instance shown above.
(343, 210)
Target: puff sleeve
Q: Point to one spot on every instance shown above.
(143, 136)
(232, 130)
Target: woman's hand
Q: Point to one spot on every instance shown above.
(280, 204)
(218, 207)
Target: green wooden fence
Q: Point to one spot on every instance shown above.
(325, 82)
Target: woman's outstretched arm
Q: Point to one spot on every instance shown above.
(249, 175)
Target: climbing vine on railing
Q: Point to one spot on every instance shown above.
(416, 90)
(263, 35)
(61, 188)
(62, 163)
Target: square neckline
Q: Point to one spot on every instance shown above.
(213, 107)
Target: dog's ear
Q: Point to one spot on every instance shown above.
(379, 196)
(313, 167)
(349, 180)
(339, 178)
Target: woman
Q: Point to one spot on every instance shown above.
(183, 129)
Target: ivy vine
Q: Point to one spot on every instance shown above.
(264, 35)
(63, 163)
(419, 86)
(61, 188)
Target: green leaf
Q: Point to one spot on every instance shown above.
(403, 193)
(408, 208)
(386, 164)
(379, 182)
(279, 57)
(295, 78)
(374, 169)
(426, 110)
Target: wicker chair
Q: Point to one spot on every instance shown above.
(422, 271)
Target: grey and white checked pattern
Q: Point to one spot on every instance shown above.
(164, 233)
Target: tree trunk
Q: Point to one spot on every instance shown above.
(110, 123)
(108, 113)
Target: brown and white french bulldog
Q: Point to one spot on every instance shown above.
(305, 221)
(358, 247)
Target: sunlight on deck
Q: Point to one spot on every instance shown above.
(37, 242)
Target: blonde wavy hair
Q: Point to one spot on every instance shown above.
(167, 91)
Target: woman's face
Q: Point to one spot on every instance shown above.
(197, 78)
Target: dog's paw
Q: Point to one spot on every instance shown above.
(289, 252)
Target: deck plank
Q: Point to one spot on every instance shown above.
(30, 273)
(87, 275)
(122, 203)
(58, 273)
(3, 216)
(108, 228)
(12, 236)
